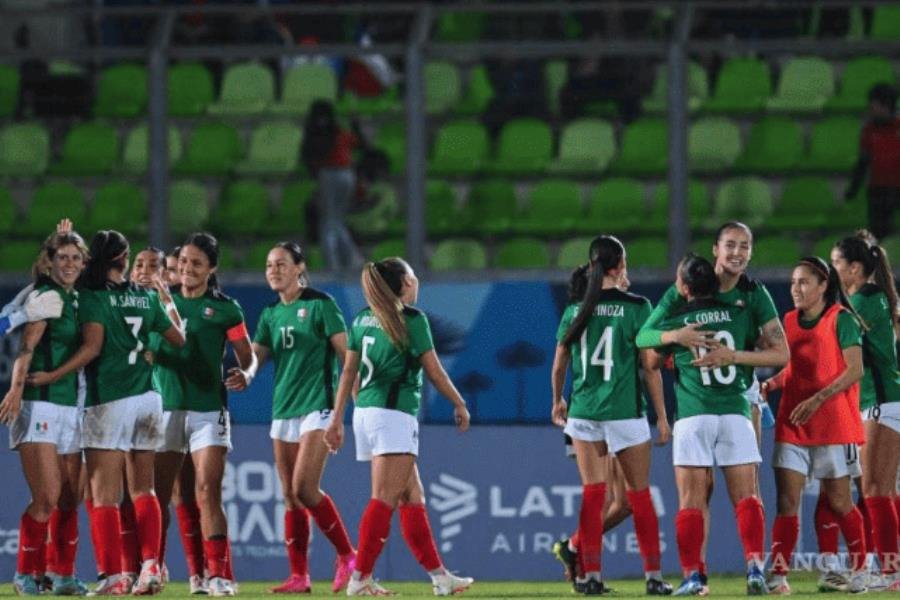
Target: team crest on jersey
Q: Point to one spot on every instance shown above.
(301, 313)
(739, 303)
(208, 312)
(41, 426)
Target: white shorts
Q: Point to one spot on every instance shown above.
(189, 430)
(887, 414)
(707, 440)
(47, 423)
(818, 462)
(132, 423)
(618, 434)
(291, 430)
(753, 394)
(384, 431)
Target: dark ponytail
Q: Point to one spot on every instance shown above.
(108, 250)
(698, 275)
(209, 245)
(578, 283)
(296, 252)
(864, 249)
(606, 253)
(834, 292)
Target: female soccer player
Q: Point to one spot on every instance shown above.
(171, 266)
(607, 408)
(713, 417)
(44, 424)
(392, 342)
(304, 332)
(123, 414)
(818, 422)
(196, 416)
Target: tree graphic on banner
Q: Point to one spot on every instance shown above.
(517, 357)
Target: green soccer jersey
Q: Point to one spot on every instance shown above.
(298, 336)
(128, 315)
(604, 361)
(193, 377)
(60, 341)
(881, 381)
(703, 390)
(390, 377)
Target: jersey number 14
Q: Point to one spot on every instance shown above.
(601, 356)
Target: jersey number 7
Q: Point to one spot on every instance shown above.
(135, 324)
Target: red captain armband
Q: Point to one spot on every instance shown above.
(238, 332)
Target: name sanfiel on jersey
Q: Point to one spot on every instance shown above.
(129, 301)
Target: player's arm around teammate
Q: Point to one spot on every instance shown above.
(389, 346)
(304, 332)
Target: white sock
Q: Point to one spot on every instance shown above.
(438, 572)
(653, 575)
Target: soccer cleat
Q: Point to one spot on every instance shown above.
(756, 582)
(197, 585)
(859, 583)
(295, 584)
(149, 582)
(876, 582)
(219, 586)
(164, 575)
(366, 587)
(658, 587)
(894, 584)
(778, 586)
(691, 586)
(67, 585)
(568, 558)
(448, 584)
(114, 585)
(343, 569)
(832, 581)
(26, 585)
(45, 583)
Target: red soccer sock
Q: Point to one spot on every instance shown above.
(867, 524)
(188, 515)
(897, 510)
(328, 519)
(50, 554)
(216, 551)
(63, 546)
(229, 563)
(105, 530)
(374, 528)
(751, 525)
(884, 525)
(40, 560)
(827, 528)
(575, 540)
(689, 535)
(95, 541)
(852, 526)
(701, 566)
(416, 531)
(32, 536)
(149, 525)
(590, 524)
(646, 527)
(128, 530)
(785, 531)
(296, 537)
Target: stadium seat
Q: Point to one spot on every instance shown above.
(859, 76)
(119, 205)
(121, 92)
(554, 208)
(644, 149)
(442, 87)
(8, 211)
(9, 90)
(258, 253)
(247, 88)
(822, 248)
(458, 254)
(522, 253)
(616, 205)
(573, 252)
(388, 248)
(697, 87)
(290, 216)
(24, 150)
(377, 220)
(492, 205)
(478, 93)
(274, 150)
(303, 85)
(556, 74)
(698, 206)
(775, 144)
(849, 215)
(714, 143)
(243, 209)
(776, 252)
(17, 257)
(648, 253)
(834, 146)
(188, 207)
(891, 245)
(806, 203)
(391, 139)
(191, 89)
(441, 214)
(135, 155)
(885, 22)
(524, 147)
(213, 149)
(461, 147)
(585, 146)
(89, 149)
(805, 85)
(460, 26)
(388, 101)
(51, 203)
(742, 86)
(744, 199)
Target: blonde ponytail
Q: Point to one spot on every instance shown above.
(378, 283)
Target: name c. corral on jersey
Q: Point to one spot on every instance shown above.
(713, 316)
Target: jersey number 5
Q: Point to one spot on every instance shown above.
(722, 376)
(135, 324)
(601, 356)
(367, 341)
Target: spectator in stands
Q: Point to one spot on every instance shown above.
(879, 152)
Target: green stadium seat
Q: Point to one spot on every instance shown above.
(744, 199)
(243, 209)
(776, 252)
(775, 144)
(885, 22)
(377, 219)
(478, 93)
(303, 85)
(647, 253)
(849, 215)
(391, 139)
(9, 90)
(274, 150)
(136, 152)
(290, 216)
(258, 253)
(492, 205)
(8, 211)
(388, 248)
(805, 85)
(522, 253)
(442, 87)
(806, 203)
(525, 146)
(214, 148)
(554, 208)
(556, 75)
(714, 143)
(860, 75)
(247, 88)
(442, 216)
(121, 92)
(460, 26)
(119, 205)
(461, 147)
(822, 248)
(834, 146)
(644, 149)
(616, 206)
(388, 101)
(227, 258)
(191, 89)
(89, 149)
(458, 254)
(698, 206)
(697, 84)
(891, 245)
(585, 146)
(188, 207)
(573, 252)
(16, 257)
(743, 86)
(51, 203)
(24, 150)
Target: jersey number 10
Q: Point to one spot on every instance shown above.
(722, 376)
(601, 356)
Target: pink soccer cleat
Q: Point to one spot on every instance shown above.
(295, 584)
(343, 569)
